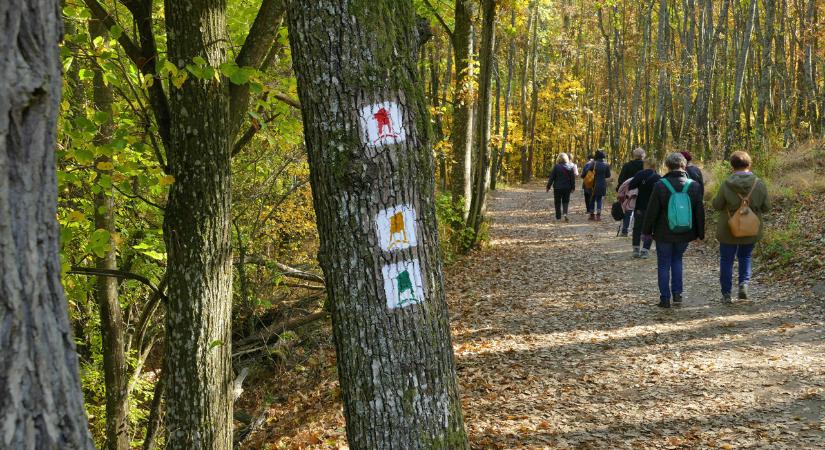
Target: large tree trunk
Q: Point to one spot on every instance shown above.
(481, 177)
(197, 234)
(41, 404)
(115, 367)
(462, 130)
(371, 168)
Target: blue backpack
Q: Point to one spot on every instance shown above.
(679, 208)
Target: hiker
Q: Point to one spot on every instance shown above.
(694, 172)
(675, 216)
(597, 183)
(629, 170)
(644, 182)
(742, 189)
(563, 182)
(585, 190)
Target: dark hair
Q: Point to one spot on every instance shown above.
(740, 160)
(600, 155)
(590, 156)
(687, 156)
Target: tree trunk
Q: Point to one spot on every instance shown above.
(40, 398)
(703, 96)
(371, 169)
(115, 367)
(511, 56)
(663, 89)
(485, 73)
(198, 236)
(765, 78)
(525, 119)
(741, 63)
(462, 130)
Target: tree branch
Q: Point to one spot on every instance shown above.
(144, 57)
(253, 52)
(440, 19)
(116, 274)
(270, 333)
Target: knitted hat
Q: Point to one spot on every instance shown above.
(687, 156)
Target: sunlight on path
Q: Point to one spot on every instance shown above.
(560, 345)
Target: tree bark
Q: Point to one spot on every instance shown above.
(354, 59)
(663, 89)
(115, 367)
(765, 77)
(41, 404)
(197, 234)
(525, 118)
(485, 74)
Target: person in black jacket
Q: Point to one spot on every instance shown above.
(602, 171)
(629, 170)
(671, 245)
(644, 182)
(694, 172)
(563, 181)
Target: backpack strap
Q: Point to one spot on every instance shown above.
(686, 186)
(669, 186)
(746, 200)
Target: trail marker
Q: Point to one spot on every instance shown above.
(382, 124)
(396, 228)
(402, 284)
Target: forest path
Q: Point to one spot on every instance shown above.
(559, 344)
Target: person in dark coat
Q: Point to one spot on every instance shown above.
(644, 182)
(671, 245)
(629, 170)
(694, 172)
(602, 170)
(563, 181)
(740, 184)
(588, 193)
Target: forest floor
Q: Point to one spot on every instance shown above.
(559, 344)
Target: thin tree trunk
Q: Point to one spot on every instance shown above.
(525, 119)
(663, 89)
(741, 63)
(115, 367)
(511, 56)
(765, 78)
(485, 73)
(534, 102)
(462, 130)
(40, 398)
(389, 314)
(198, 236)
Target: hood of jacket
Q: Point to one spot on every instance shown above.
(741, 183)
(569, 166)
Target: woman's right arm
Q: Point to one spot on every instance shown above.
(719, 202)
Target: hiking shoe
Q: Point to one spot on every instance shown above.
(566, 219)
(664, 303)
(592, 217)
(677, 299)
(726, 299)
(624, 234)
(598, 217)
(743, 291)
(636, 252)
(644, 254)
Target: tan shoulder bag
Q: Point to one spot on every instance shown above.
(744, 222)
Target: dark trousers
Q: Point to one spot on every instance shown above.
(637, 229)
(587, 197)
(628, 215)
(670, 267)
(561, 199)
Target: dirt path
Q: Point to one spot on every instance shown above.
(559, 344)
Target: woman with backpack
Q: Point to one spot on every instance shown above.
(596, 174)
(675, 216)
(563, 181)
(742, 199)
(644, 182)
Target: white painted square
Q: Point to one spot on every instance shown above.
(382, 124)
(396, 228)
(402, 284)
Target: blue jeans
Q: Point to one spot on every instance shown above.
(626, 221)
(637, 230)
(669, 258)
(727, 253)
(595, 205)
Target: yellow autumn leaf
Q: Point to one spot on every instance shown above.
(105, 165)
(167, 180)
(76, 216)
